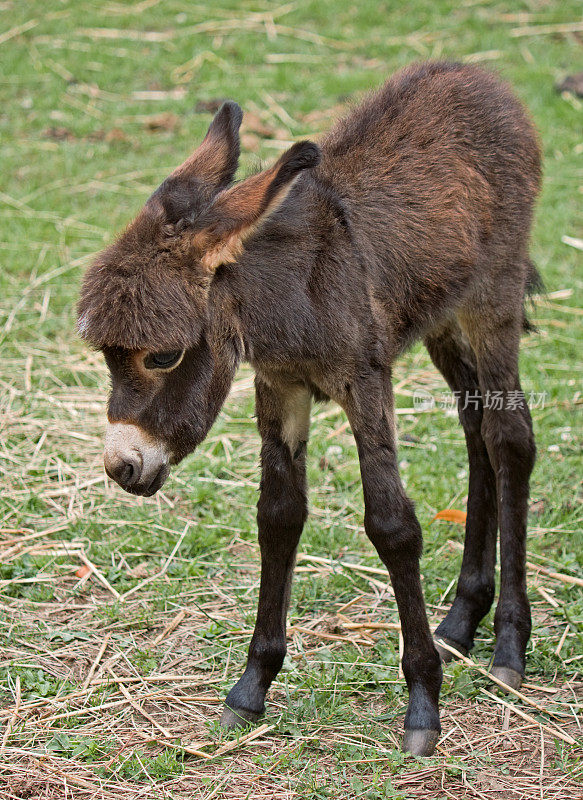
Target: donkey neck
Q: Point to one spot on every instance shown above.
(270, 290)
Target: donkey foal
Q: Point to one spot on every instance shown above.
(410, 220)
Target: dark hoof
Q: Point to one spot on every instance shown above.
(238, 718)
(420, 743)
(508, 676)
(444, 654)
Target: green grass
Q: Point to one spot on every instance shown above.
(80, 154)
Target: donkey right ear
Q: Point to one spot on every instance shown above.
(215, 160)
(237, 212)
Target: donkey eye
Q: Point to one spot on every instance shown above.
(163, 360)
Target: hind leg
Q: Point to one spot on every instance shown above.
(507, 433)
(453, 356)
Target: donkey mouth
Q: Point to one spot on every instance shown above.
(142, 488)
(147, 490)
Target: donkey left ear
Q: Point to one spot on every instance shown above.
(215, 159)
(238, 212)
(208, 170)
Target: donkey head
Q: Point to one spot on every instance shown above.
(145, 302)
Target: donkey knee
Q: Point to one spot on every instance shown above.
(283, 502)
(395, 532)
(280, 508)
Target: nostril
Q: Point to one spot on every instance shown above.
(126, 473)
(129, 473)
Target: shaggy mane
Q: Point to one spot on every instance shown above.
(139, 296)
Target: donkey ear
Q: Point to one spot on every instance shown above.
(215, 160)
(238, 212)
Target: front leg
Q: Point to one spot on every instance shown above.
(283, 417)
(391, 525)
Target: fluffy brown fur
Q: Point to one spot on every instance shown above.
(134, 300)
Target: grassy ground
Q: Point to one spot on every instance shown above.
(124, 621)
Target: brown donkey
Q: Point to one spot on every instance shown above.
(411, 219)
